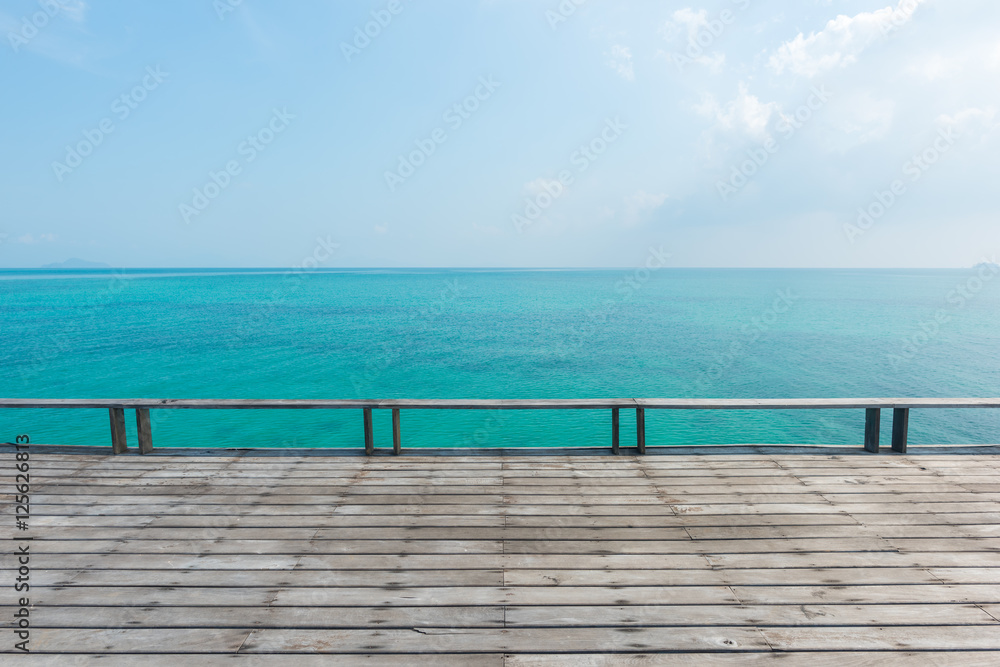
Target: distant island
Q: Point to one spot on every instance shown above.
(77, 263)
(987, 265)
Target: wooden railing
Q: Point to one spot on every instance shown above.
(873, 408)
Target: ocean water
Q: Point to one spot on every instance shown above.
(498, 334)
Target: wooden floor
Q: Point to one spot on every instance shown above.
(520, 561)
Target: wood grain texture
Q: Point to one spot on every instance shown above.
(513, 561)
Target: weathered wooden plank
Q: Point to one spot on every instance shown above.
(687, 520)
(284, 578)
(166, 659)
(927, 638)
(343, 596)
(508, 404)
(872, 419)
(113, 561)
(772, 532)
(262, 509)
(746, 615)
(118, 442)
(144, 430)
(936, 531)
(64, 640)
(857, 559)
(859, 510)
(966, 575)
(615, 430)
(640, 429)
(874, 594)
(397, 442)
(732, 577)
(446, 640)
(131, 561)
(102, 596)
(485, 498)
(900, 421)
(250, 546)
(369, 432)
(848, 658)
(99, 617)
(951, 544)
(391, 533)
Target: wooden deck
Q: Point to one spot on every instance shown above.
(724, 558)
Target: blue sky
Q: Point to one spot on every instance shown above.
(823, 133)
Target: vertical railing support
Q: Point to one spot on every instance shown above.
(640, 429)
(614, 430)
(145, 430)
(118, 444)
(900, 424)
(396, 437)
(369, 432)
(872, 418)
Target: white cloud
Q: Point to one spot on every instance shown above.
(381, 230)
(621, 62)
(745, 114)
(685, 20)
(841, 42)
(974, 121)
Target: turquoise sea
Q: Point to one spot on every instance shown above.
(498, 334)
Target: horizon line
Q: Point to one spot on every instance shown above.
(480, 268)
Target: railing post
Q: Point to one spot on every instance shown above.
(118, 444)
(900, 424)
(872, 418)
(396, 438)
(369, 432)
(145, 430)
(614, 430)
(640, 429)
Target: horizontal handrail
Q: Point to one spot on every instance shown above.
(503, 403)
(872, 406)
